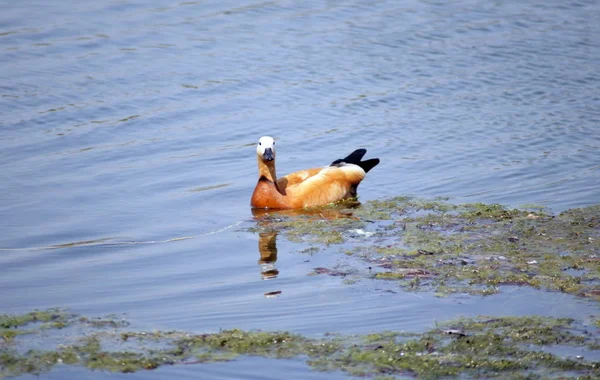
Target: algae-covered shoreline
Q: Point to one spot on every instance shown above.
(486, 346)
(435, 245)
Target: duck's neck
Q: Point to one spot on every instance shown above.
(267, 170)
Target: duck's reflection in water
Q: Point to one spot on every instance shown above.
(267, 221)
(267, 247)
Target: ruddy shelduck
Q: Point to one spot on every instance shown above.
(310, 187)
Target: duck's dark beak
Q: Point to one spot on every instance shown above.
(268, 155)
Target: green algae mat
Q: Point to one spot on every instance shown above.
(508, 347)
(432, 246)
(447, 248)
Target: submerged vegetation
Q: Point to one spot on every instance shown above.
(502, 347)
(471, 248)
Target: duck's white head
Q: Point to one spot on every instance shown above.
(266, 148)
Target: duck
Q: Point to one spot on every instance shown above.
(310, 187)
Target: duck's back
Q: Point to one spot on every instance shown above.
(296, 178)
(327, 185)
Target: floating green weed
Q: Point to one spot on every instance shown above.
(473, 248)
(470, 348)
(51, 315)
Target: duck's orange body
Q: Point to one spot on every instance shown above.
(307, 188)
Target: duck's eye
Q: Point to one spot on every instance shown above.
(273, 142)
(259, 143)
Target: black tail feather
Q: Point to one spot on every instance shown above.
(369, 164)
(355, 158)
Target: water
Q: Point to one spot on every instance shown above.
(128, 121)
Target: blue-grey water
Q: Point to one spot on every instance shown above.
(133, 123)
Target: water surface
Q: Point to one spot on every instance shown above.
(128, 122)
